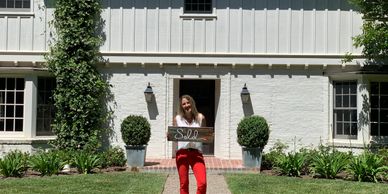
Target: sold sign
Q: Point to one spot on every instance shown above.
(194, 134)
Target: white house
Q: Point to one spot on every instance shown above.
(287, 52)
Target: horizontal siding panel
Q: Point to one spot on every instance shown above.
(239, 26)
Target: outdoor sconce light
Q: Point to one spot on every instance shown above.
(245, 94)
(148, 93)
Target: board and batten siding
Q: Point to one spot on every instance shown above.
(235, 26)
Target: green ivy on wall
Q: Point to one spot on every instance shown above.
(80, 92)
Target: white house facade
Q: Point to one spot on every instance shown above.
(288, 53)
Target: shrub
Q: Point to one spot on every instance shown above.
(253, 132)
(14, 164)
(47, 163)
(291, 164)
(113, 157)
(329, 162)
(135, 130)
(269, 159)
(85, 162)
(367, 167)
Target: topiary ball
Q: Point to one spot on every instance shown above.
(253, 132)
(135, 130)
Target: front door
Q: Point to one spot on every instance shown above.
(203, 92)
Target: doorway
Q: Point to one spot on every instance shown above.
(203, 92)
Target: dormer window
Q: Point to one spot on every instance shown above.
(198, 6)
(15, 5)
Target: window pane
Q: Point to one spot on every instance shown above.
(339, 129)
(346, 88)
(346, 115)
(338, 88)
(2, 124)
(374, 88)
(9, 124)
(339, 115)
(374, 129)
(2, 110)
(353, 115)
(10, 98)
(384, 102)
(19, 97)
(18, 124)
(18, 3)
(353, 101)
(2, 97)
(2, 4)
(19, 111)
(353, 88)
(346, 101)
(354, 129)
(338, 101)
(10, 84)
(346, 129)
(374, 101)
(384, 129)
(9, 111)
(20, 84)
(10, 4)
(374, 116)
(384, 88)
(2, 83)
(383, 115)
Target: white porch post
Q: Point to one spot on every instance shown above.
(30, 106)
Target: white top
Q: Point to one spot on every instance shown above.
(182, 122)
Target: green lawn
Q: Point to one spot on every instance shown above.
(115, 183)
(254, 183)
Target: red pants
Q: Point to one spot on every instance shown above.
(194, 158)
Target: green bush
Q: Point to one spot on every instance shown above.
(269, 159)
(85, 162)
(46, 163)
(329, 162)
(135, 130)
(367, 167)
(113, 157)
(291, 164)
(14, 164)
(253, 132)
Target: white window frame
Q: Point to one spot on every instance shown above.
(211, 15)
(18, 11)
(338, 136)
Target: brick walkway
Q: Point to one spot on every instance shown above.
(213, 165)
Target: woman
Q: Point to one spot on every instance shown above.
(190, 153)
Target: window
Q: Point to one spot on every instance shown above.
(345, 109)
(379, 108)
(15, 5)
(198, 6)
(45, 105)
(11, 104)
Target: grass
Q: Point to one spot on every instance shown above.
(254, 183)
(123, 182)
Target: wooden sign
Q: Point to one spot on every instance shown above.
(194, 134)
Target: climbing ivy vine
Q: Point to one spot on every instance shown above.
(74, 54)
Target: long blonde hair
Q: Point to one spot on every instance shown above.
(194, 110)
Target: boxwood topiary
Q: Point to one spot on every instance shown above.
(253, 131)
(135, 130)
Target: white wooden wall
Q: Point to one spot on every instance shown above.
(235, 26)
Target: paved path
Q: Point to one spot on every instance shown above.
(215, 184)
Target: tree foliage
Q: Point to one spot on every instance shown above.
(80, 87)
(374, 37)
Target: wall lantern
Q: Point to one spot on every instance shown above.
(245, 94)
(148, 93)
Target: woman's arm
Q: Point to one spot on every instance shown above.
(203, 120)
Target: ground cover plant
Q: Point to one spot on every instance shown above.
(107, 183)
(368, 167)
(259, 183)
(329, 162)
(14, 164)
